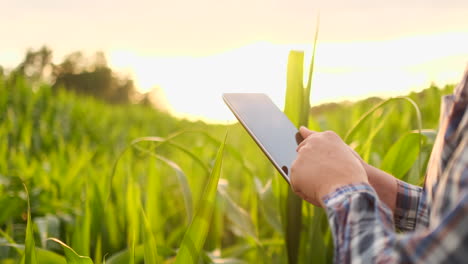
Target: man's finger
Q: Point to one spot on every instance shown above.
(301, 145)
(305, 132)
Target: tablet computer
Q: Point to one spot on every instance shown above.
(269, 127)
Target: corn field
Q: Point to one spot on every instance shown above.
(82, 181)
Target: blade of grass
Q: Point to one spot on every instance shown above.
(195, 236)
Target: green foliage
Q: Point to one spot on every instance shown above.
(29, 256)
(71, 256)
(119, 183)
(293, 108)
(195, 236)
(297, 108)
(402, 155)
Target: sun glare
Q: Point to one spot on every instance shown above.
(344, 71)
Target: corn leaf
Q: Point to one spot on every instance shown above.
(29, 256)
(402, 155)
(297, 108)
(268, 205)
(293, 109)
(150, 249)
(195, 236)
(125, 256)
(71, 256)
(237, 215)
(43, 256)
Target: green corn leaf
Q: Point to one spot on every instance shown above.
(10, 242)
(29, 256)
(81, 237)
(357, 126)
(11, 206)
(297, 108)
(150, 249)
(181, 176)
(125, 256)
(306, 98)
(132, 249)
(293, 109)
(365, 148)
(49, 257)
(268, 205)
(43, 256)
(294, 89)
(352, 132)
(71, 256)
(237, 215)
(402, 155)
(133, 200)
(187, 193)
(192, 155)
(195, 236)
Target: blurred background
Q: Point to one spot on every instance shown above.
(185, 54)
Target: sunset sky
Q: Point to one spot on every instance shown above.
(191, 52)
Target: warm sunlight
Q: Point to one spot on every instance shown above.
(344, 71)
(191, 52)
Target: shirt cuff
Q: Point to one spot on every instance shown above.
(342, 193)
(406, 209)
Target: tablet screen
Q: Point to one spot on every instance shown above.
(268, 126)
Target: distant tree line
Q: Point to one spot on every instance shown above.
(90, 76)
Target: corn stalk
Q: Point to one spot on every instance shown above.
(297, 108)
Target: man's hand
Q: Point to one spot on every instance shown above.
(323, 164)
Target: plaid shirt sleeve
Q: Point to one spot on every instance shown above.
(411, 211)
(364, 232)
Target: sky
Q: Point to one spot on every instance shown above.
(190, 52)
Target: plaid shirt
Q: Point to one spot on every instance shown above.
(433, 220)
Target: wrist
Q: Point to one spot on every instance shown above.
(384, 184)
(370, 170)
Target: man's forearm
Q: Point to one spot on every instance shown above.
(384, 184)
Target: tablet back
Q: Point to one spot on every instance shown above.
(268, 126)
